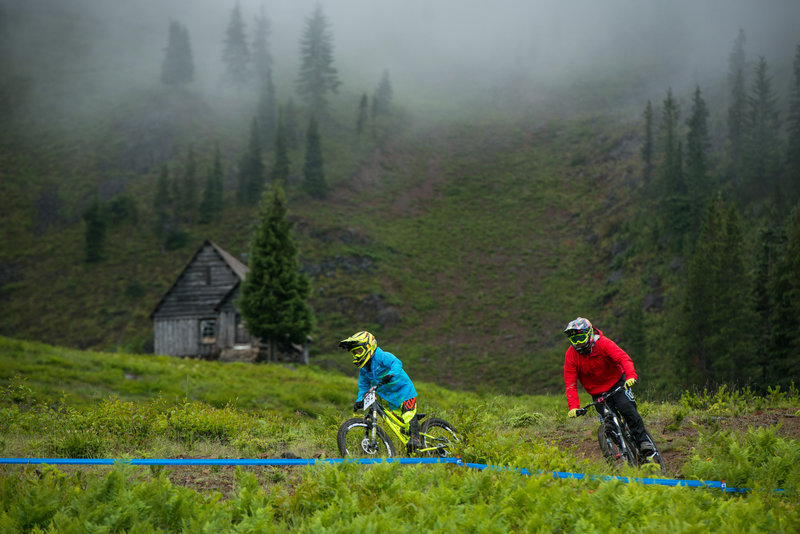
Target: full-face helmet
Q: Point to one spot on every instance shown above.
(581, 335)
(361, 345)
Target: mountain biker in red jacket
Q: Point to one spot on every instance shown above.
(601, 366)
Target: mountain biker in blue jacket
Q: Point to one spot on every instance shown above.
(377, 367)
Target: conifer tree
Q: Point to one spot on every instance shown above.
(770, 239)
(274, 294)
(785, 291)
(293, 133)
(267, 109)
(698, 148)
(95, 231)
(262, 59)
(672, 186)
(281, 166)
(718, 311)
(178, 65)
(318, 76)
(793, 134)
(738, 102)
(161, 204)
(361, 118)
(188, 198)
(648, 146)
(383, 95)
(212, 203)
(251, 171)
(761, 141)
(313, 171)
(236, 53)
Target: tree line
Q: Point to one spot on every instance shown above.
(739, 313)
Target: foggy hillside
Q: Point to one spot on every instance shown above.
(503, 54)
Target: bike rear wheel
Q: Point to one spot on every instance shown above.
(655, 457)
(439, 436)
(611, 445)
(354, 441)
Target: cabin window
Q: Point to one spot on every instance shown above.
(208, 330)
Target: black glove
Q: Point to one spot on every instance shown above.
(359, 405)
(385, 380)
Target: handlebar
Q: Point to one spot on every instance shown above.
(600, 400)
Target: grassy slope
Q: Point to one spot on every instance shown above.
(144, 406)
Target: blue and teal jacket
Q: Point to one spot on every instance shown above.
(382, 363)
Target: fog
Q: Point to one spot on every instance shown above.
(436, 51)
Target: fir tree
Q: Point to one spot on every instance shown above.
(698, 148)
(361, 118)
(262, 59)
(648, 146)
(738, 102)
(274, 294)
(785, 292)
(293, 133)
(770, 240)
(188, 198)
(672, 185)
(313, 171)
(762, 142)
(383, 95)
(161, 204)
(793, 134)
(178, 66)
(236, 53)
(251, 171)
(718, 311)
(95, 231)
(267, 110)
(318, 76)
(281, 166)
(212, 203)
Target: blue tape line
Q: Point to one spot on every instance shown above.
(713, 484)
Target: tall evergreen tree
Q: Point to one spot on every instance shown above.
(267, 110)
(361, 118)
(212, 203)
(313, 171)
(251, 171)
(318, 76)
(793, 137)
(274, 294)
(281, 166)
(718, 312)
(737, 106)
(236, 53)
(161, 204)
(770, 240)
(383, 95)
(698, 149)
(648, 147)
(672, 191)
(761, 163)
(293, 133)
(95, 231)
(178, 65)
(188, 198)
(785, 291)
(262, 59)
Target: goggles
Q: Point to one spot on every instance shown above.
(357, 351)
(579, 339)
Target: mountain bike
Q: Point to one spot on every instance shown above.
(614, 435)
(365, 437)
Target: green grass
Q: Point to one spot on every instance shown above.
(57, 402)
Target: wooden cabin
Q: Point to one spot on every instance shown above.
(197, 316)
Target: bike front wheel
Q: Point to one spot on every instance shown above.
(438, 437)
(611, 445)
(354, 441)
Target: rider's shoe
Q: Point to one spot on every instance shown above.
(646, 448)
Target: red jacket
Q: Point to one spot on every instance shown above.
(597, 371)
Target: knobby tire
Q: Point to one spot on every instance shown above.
(351, 436)
(438, 433)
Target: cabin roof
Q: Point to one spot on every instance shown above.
(238, 268)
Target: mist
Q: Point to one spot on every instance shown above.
(475, 53)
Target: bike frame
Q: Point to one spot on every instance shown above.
(394, 423)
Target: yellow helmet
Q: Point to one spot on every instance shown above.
(361, 345)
